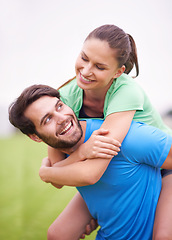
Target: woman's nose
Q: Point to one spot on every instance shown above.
(86, 71)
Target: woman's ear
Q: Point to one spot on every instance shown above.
(35, 138)
(119, 72)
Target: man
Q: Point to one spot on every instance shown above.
(121, 193)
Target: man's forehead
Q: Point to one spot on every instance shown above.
(46, 101)
(41, 106)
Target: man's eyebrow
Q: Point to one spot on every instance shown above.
(102, 64)
(46, 115)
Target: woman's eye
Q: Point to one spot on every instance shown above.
(100, 68)
(84, 59)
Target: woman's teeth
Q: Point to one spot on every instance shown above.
(86, 79)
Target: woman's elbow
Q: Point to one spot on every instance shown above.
(90, 179)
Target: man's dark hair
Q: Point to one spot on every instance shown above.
(18, 107)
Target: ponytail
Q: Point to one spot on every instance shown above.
(132, 60)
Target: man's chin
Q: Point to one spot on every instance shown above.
(64, 144)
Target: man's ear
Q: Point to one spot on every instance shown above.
(35, 138)
(119, 72)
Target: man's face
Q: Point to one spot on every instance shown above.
(55, 122)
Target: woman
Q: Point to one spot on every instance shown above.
(103, 89)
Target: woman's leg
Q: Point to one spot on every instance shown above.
(72, 222)
(163, 217)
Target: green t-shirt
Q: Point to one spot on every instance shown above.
(125, 94)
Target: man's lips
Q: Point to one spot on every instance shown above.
(66, 129)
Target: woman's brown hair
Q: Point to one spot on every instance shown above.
(122, 43)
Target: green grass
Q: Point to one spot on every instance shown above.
(27, 205)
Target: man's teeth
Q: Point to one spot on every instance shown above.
(66, 128)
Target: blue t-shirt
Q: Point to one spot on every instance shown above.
(124, 199)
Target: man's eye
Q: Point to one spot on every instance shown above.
(59, 106)
(47, 120)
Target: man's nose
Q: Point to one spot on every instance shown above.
(60, 118)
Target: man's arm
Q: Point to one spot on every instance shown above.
(168, 162)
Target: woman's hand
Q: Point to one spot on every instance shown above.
(45, 164)
(100, 146)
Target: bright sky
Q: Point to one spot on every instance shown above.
(40, 40)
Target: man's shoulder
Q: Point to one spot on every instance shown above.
(146, 144)
(91, 126)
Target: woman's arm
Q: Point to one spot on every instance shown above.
(58, 158)
(89, 172)
(84, 173)
(77, 174)
(118, 124)
(49, 163)
(55, 155)
(98, 144)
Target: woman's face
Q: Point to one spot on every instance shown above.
(96, 66)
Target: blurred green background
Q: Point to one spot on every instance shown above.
(27, 205)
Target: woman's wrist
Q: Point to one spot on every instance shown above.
(43, 173)
(80, 153)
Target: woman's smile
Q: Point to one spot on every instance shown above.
(84, 79)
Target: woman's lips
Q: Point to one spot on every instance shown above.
(85, 80)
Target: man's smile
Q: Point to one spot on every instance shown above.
(67, 128)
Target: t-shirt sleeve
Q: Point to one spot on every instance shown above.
(72, 96)
(124, 97)
(147, 145)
